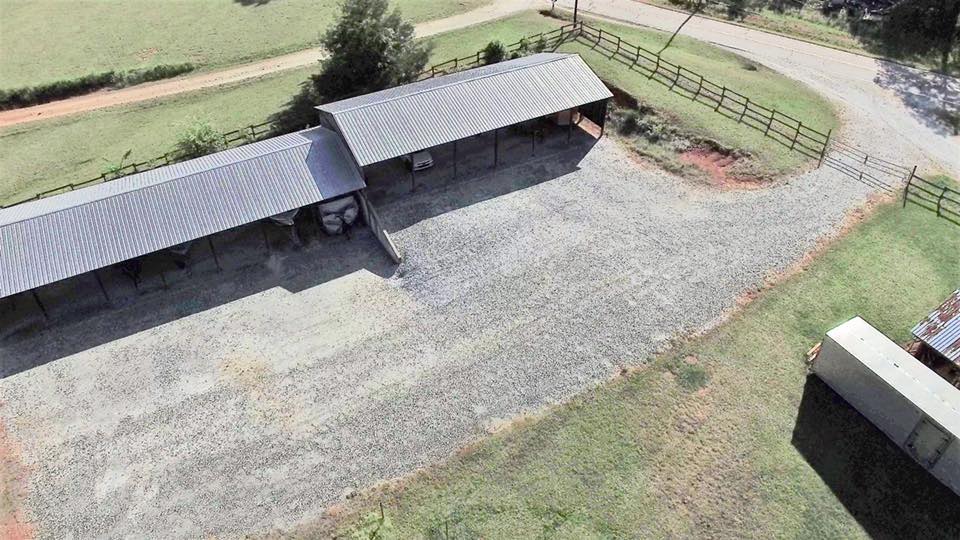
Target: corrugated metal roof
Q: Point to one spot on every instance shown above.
(416, 116)
(941, 329)
(66, 235)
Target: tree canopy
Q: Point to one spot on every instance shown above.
(370, 49)
(923, 26)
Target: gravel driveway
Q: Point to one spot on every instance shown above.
(518, 290)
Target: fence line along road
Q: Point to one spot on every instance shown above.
(783, 128)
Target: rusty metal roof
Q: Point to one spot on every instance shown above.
(941, 329)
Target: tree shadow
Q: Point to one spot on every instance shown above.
(889, 494)
(251, 3)
(297, 113)
(930, 97)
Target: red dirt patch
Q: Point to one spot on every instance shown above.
(717, 166)
(13, 488)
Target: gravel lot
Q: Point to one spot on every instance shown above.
(248, 401)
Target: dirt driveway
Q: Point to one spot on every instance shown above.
(249, 401)
(190, 83)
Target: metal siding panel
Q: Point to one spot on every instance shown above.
(941, 329)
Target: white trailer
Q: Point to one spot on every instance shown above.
(912, 405)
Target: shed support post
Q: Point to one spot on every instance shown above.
(213, 250)
(43, 309)
(454, 160)
(533, 142)
(96, 274)
(603, 118)
(163, 279)
(263, 231)
(496, 147)
(413, 175)
(570, 125)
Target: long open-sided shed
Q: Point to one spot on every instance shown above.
(81, 231)
(413, 117)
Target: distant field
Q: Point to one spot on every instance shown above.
(45, 155)
(48, 40)
(724, 437)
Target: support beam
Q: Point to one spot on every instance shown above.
(570, 125)
(163, 279)
(263, 231)
(213, 250)
(533, 142)
(413, 175)
(96, 274)
(454, 160)
(36, 298)
(496, 147)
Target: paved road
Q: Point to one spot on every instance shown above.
(144, 92)
(876, 98)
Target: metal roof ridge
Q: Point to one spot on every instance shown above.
(171, 180)
(560, 56)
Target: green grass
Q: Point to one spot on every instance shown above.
(48, 154)
(50, 40)
(725, 437)
(761, 84)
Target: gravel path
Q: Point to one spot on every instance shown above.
(521, 290)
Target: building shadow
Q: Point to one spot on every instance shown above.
(889, 494)
(522, 162)
(931, 98)
(245, 261)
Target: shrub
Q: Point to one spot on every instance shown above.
(494, 52)
(45, 93)
(629, 123)
(198, 139)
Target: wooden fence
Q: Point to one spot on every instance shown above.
(781, 127)
(943, 200)
(237, 137)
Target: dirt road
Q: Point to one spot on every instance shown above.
(143, 92)
(876, 98)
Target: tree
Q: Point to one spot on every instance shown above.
(922, 27)
(369, 50)
(494, 52)
(198, 139)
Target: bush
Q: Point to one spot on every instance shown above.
(45, 93)
(199, 139)
(494, 52)
(629, 123)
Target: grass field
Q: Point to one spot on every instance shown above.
(763, 85)
(48, 40)
(45, 155)
(724, 437)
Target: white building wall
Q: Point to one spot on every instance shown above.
(877, 399)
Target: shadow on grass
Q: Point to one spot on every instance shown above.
(889, 494)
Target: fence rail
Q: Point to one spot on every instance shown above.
(943, 200)
(781, 127)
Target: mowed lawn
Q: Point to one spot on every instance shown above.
(50, 40)
(725, 437)
(48, 154)
(763, 85)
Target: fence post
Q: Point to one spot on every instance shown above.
(253, 132)
(940, 199)
(723, 93)
(770, 122)
(746, 106)
(676, 79)
(599, 35)
(656, 68)
(906, 190)
(823, 150)
(796, 135)
(618, 45)
(699, 88)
